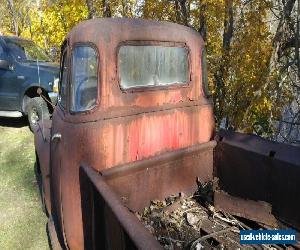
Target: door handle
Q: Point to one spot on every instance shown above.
(56, 136)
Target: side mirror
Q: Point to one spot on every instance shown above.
(53, 53)
(5, 65)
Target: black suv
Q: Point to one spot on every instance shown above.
(28, 81)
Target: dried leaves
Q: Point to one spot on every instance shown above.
(181, 222)
(174, 222)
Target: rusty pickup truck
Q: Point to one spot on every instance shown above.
(134, 123)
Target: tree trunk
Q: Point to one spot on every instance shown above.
(177, 9)
(228, 25)
(220, 75)
(106, 8)
(29, 22)
(202, 21)
(40, 13)
(91, 9)
(14, 16)
(181, 12)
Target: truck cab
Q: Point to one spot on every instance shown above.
(25, 68)
(129, 90)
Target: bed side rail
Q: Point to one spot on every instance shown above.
(107, 223)
(258, 179)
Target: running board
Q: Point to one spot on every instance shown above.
(11, 114)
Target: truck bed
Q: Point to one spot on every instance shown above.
(108, 224)
(114, 200)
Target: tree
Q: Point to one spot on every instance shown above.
(286, 62)
(252, 45)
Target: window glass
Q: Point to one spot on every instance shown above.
(84, 79)
(63, 81)
(204, 73)
(26, 51)
(147, 66)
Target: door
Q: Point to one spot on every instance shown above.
(10, 84)
(56, 149)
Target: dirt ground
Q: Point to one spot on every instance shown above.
(22, 222)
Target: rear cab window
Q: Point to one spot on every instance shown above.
(84, 81)
(153, 66)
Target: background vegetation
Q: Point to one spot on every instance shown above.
(252, 45)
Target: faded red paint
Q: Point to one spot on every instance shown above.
(147, 135)
(125, 126)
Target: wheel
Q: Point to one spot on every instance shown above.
(37, 110)
(39, 181)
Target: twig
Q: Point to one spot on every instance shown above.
(171, 239)
(241, 224)
(192, 209)
(203, 238)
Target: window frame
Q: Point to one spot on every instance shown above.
(154, 88)
(64, 50)
(95, 48)
(3, 52)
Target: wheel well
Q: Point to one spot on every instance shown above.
(31, 93)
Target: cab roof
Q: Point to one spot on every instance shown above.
(110, 29)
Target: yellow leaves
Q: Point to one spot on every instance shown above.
(49, 26)
(248, 102)
(247, 80)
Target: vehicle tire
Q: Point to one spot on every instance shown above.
(37, 110)
(39, 180)
(52, 235)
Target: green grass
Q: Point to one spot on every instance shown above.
(22, 222)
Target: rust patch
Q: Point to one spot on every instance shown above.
(259, 211)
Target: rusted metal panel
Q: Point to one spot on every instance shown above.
(138, 137)
(107, 223)
(42, 147)
(253, 210)
(157, 178)
(242, 173)
(251, 168)
(286, 191)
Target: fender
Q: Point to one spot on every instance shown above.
(42, 145)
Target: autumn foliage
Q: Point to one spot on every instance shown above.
(244, 74)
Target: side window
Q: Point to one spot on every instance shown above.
(1, 52)
(84, 78)
(204, 74)
(63, 82)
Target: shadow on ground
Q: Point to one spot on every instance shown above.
(13, 122)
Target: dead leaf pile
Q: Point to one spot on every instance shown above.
(176, 222)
